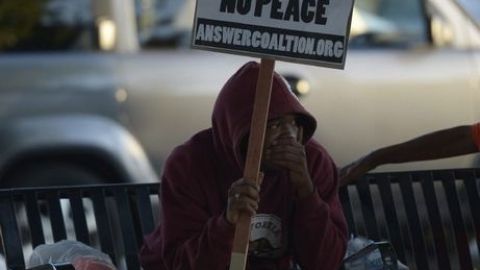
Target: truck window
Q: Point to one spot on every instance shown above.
(388, 23)
(376, 23)
(472, 8)
(164, 23)
(46, 25)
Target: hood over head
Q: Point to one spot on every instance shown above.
(233, 110)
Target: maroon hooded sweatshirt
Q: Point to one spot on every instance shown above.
(194, 233)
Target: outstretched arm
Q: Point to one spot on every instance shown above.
(439, 144)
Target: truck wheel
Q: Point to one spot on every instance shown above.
(51, 174)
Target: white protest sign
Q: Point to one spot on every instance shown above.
(304, 31)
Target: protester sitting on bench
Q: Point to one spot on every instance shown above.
(296, 213)
(444, 143)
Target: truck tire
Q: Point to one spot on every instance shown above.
(51, 173)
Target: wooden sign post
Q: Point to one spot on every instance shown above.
(309, 32)
(254, 156)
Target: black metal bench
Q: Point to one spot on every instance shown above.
(431, 217)
(123, 214)
(426, 215)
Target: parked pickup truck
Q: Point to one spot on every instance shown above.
(102, 90)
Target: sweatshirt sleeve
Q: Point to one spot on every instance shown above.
(320, 228)
(189, 236)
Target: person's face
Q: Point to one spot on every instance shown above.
(280, 130)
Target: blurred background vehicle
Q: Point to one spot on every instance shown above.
(101, 91)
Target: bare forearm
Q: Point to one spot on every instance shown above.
(440, 144)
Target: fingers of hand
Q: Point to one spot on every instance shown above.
(288, 143)
(349, 173)
(288, 152)
(243, 196)
(290, 158)
(244, 189)
(243, 204)
(242, 182)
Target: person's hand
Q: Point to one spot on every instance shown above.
(354, 170)
(288, 153)
(243, 197)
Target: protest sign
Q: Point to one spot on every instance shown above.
(304, 31)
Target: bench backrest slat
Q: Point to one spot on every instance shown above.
(127, 229)
(56, 216)
(391, 215)
(79, 218)
(473, 197)
(414, 226)
(370, 220)
(33, 217)
(434, 217)
(12, 244)
(448, 181)
(102, 221)
(145, 212)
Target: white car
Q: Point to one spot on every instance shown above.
(106, 88)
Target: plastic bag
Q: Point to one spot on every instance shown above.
(3, 263)
(372, 261)
(81, 256)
